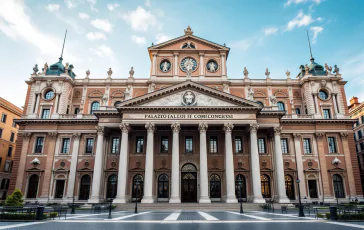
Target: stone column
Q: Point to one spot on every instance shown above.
(154, 63)
(96, 179)
(149, 163)
(281, 196)
(223, 65)
(175, 65)
(316, 104)
(334, 101)
(204, 185)
(37, 104)
(229, 165)
(175, 178)
(348, 165)
(55, 109)
(255, 165)
(300, 173)
(201, 65)
(73, 167)
(123, 165)
(22, 161)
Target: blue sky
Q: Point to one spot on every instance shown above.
(103, 34)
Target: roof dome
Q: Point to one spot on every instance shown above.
(58, 68)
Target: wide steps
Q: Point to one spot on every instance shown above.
(188, 206)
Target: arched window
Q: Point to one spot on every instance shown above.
(338, 186)
(289, 187)
(117, 103)
(298, 111)
(265, 181)
(281, 106)
(138, 182)
(94, 106)
(323, 95)
(58, 193)
(49, 94)
(215, 186)
(163, 186)
(240, 186)
(77, 110)
(85, 187)
(33, 186)
(260, 103)
(112, 186)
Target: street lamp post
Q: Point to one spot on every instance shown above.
(240, 184)
(73, 208)
(300, 208)
(113, 182)
(136, 195)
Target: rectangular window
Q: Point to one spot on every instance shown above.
(115, 143)
(360, 134)
(362, 119)
(332, 145)
(89, 145)
(188, 145)
(362, 146)
(164, 144)
(284, 145)
(327, 114)
(39, 145)
(213, 144)
(307, 146)
(261, 145)
(357, 149)
(65, 145)
(1, 133)
(1, 159)
(238, 144)
(139, 144)
(7, 166)
(45, 113)
(10, 151)
(14, 124)
(12, 135)
(3, 118)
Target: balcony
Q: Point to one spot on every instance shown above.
(298, 116)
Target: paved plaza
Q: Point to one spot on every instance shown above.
(185, 220)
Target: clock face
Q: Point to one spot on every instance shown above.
(165, 66)
(212, 66)
(188, 63)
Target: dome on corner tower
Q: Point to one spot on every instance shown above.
(58, 68)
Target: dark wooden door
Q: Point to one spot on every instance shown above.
(189, 187)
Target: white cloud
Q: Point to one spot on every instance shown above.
(270, 31)
(289, 2)
(92, 4)
(53, 7)
(102, 24)
(300, 20)
(83, 16)
(112, 7)
(96, 36)
(316, 30)
(138, 40)
(141, 20)
(161, 38)
(70, 22)
(147, 3)
(242, 44)
(103, 51)
(70, 3)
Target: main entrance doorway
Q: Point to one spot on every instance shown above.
(189, 183)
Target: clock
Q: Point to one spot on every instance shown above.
(188, 63)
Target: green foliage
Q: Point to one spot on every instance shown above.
(351, 216)
(327, 215)
(20, 216)
(264, 206)
(53, 214)
(320, 215)
(15, 199)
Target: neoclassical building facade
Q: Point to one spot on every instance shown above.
(186, 133)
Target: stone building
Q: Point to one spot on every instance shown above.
(356, 111)
(186, 133)
(8, 138)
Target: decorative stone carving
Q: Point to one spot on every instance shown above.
(52, 135)
(176, 127)
(288, 74)
(297, 136)
(267, 73)
(76, 136)
(150, 127)
(35, 69)
(164, 163)
(35, 162)
(328, 69)
(105, 98)
(109, 73)
(273, 100)
(188, 31)
(250, 93)
(246, 72)
(320, 136)
(225, 88)
(165, 66)
(88, 74)
(49, 83)
(310, 164)
(254, 128)
(264, 164)
(240, 163)
(62, 164)
(100, 130)
(151, 87)
(344, 135)
(287, 164)
(189, 98)
(336, 161)
(81, 106)
(277, 130)
(336, 70)
(138, 163)
(113, 164)
(131, 72)
(26, 135)
(228, 127)
(127, 93)
(66, 68)
(212, 66)
(323, 83)
(45, 68)
(307, 69)
(202, 127)
(124, 127)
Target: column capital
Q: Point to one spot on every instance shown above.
(175, 54)
(26, 135)
(254, 128)
(124, 127)
(297, 136)
(52, 135)
(228, 127)
(150, 127)
(320, 135)
(277, 130)
(344, 135)
(203, 127)
(76, 136)
(201, 54)
(176, 127)
(100, 130)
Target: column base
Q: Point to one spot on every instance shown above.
(231, 200)
(204, 200)
(283, 200)
(147, 200)
(175, 200)
(119, 200)
(258, 200)
(94, 200)
(330, 199)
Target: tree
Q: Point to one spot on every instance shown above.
(15, 199)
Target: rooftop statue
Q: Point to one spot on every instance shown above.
(328, 68)
(109, 72)
(45, 68)
(88, 73)
(188, 31)
(35, 69)
(131, 72)
(267, 73)
(336, 70)
(66, 68)
(246, 72)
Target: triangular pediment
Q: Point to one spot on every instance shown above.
(189, 94)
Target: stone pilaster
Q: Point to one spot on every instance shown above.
(349, 168)
(123, 165)
(204, 193)
(22, 161)
(96, 180)
(229, 164)
(149, 163)
(300, 173)
(175, 180)
(73, 168)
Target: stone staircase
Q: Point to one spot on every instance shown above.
(189, 207)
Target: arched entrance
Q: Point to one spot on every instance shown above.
(265, 181)
(189, 183)
(289, 187)
(85, 187)
(33, 186)
(240, 186)
(215, 186)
